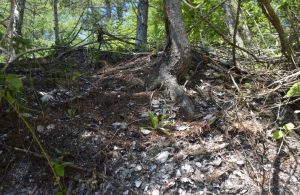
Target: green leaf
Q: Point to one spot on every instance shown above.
(57, 150)
(155, 122)
(65, 190)
(55, 163)
(163, 116)
(16, 84)
(9, 97)
(278, 134)
(67, 163)
(59, 193)
(168, 123)
(248, 84)
(70, 112)
(289, 126)
(60, 170)
(166, 132)
(151, 117)
(294, 90)
(142, 128)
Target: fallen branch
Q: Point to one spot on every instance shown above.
(26, 52)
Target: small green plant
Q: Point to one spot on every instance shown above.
(71, 112)
(294, 90)
(77, 74)
(247, 84)
(283, 131)
(156, 124)
(96, 56)
(60, 169)
(14, 89)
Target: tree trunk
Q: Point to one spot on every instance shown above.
(230, 21)
(56, 22)
(273, 18)
(141, 27)
(17, 13)
(178, 62)
(108, 10)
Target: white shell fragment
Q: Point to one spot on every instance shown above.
(40, 128)
(145, 131)
(155, 192)
(46, 98)
(181, 128)
(51, 126)
(162, 157)
(26, 115)
(186, 168)
(207, 117)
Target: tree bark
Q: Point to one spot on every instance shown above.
(56, 23)
(269, 12)
(230, 21)
(178, 62)
(17, 14)
(141, 27)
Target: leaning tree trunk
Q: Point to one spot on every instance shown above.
(56, 22)
(230, 21)
(273, 18)
(178, 62)
(141, 26)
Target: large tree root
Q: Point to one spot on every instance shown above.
(174, 90)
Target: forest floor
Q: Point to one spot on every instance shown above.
(93, 120)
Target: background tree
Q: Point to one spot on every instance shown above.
(142, 24)
(273, 18)
(230, 21)
(56, 22)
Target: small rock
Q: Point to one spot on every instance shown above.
(40, 128)
(187, 168)
(137, 183)
(186, 180)
(138, 168)
(162, 157)
(51, 126)
(178, 174)
(155, 192)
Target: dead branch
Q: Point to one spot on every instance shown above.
(26, 52)
(203, 17)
